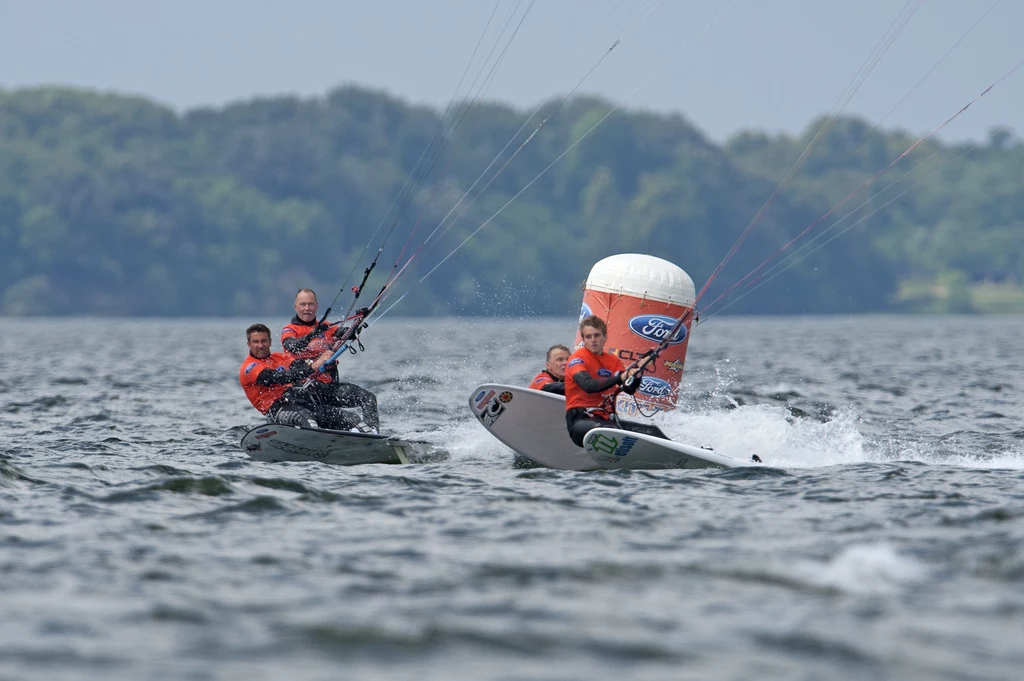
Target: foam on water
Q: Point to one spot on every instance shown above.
(466, 440)
(771, 433)
(876, 568)
(1011, 459)
(781, 440)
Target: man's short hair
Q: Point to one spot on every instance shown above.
(305, 290)
(547, 358)
(256, 328)
(596, 322)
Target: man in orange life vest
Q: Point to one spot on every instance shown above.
(593, 378)
(272, 382)
(305, 338)
(552, 379)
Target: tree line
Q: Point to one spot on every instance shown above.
(117, 205)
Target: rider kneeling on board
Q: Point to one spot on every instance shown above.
(273, 382)
(305, 338)
(592, 380)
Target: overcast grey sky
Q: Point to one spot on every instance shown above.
(765, 64)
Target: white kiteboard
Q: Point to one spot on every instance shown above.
(275, 442)
(532, 424)
(615, 448)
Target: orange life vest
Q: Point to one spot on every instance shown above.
(598, 366)
(316, 347)
(263, 396)
(542, 379)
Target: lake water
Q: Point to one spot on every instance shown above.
(884, 540)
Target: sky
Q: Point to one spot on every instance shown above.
(725, 65)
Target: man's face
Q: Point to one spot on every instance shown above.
(593, 339)
(259, 344)
(556, 363)
(305, 306)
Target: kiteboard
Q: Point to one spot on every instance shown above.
(615, 448)
(275, 442)
(532, 424)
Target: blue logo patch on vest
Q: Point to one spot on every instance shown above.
(578, 360)
(251, 365)
(604, 373)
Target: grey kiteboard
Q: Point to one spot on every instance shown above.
(275, 442)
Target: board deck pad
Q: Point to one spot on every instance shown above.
(276, 442)
(532, 424)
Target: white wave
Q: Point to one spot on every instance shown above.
(466, 440)
(1011, 459)
(864, 569)
(784, 441)
(773, 434)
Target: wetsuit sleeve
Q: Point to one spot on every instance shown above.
(298, 370)
(556, 387)
(590, 384)
(295, 344)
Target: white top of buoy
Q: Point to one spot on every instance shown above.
(643, 276)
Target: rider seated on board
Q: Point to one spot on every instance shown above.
(273, 383)
(552, 379)
(593, 378)
(306, 339)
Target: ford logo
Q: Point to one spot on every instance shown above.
(585, 311)
(655, 387)
(656, 327)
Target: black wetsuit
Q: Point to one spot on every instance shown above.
(581, 421)
(337, 395)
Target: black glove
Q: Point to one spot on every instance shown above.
(320, 328)
(363, 311)
(301, 367)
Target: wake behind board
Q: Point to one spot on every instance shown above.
(275, 442)
(532, 424)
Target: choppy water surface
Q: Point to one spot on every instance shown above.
(885, 540)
